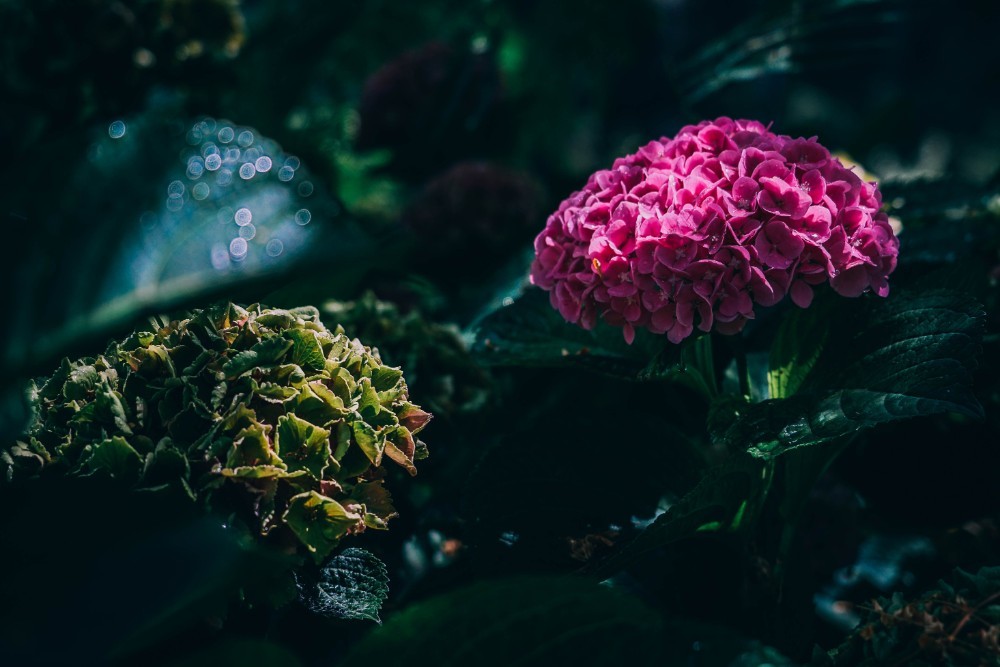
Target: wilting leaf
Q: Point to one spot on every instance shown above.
(352, 585)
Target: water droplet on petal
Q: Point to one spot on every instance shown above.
(245, 138)
(200, 191)
(248, 231)
(247, 171)
(262, 163)
(243, 217)
(286, 174)
(213, 162)
(226, 135)
(303, 216)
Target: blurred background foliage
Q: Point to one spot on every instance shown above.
(390, 162)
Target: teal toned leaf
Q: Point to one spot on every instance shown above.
(239, 652)
(320, 522)
(913, 356)
(81, 381)
(716, 503)
(352, 585)
(527, 621)
(530, 332)
(694, 367)
(109, 409)
(264, 353)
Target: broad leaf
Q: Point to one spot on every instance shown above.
(319, 522)
(306, 351)
(303, 446)
(352, 585)
(909, 356)
(524, 621)
(530, 332)
(718, 502)
(115, 457)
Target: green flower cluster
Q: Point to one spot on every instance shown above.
(439, 368)
(260, 411)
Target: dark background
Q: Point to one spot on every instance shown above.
(430, 142)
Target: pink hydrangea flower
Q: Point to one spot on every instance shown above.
(693, 231)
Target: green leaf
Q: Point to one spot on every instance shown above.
(525, 621)
(239, 652)
(369, 441)
(319, 522)
(115, 457)
(319, 405)
(530, 332)
(306, 350)
(694, 367)
(82, 380)
(303, 446)
(796, 348)
(264, 353)
(251, 447)
(912, 357)
(352, 585)
(109, 409)
(716, 503)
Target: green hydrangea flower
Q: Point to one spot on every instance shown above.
(439, 368)
(264, 412)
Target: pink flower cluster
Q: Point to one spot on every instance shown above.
(723, 216)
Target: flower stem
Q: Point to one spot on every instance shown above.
(742, 373)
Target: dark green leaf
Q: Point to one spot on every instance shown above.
(266, 352)
(115, 457)
(694, 367)
(239, 652)
(913, 356)
(530, 332)
(524, 621)
(716, 503)
(352, 585)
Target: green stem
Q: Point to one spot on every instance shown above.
(742, 372)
